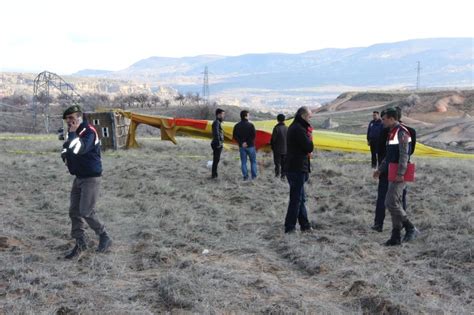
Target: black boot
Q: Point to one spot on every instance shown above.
(307, 230)
(377, 227)
(104, 242)
(411, 232)
(80, 246)
(395, 239)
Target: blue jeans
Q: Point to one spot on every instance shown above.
(297, 208)
(252, 154)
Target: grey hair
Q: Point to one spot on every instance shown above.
(302, 110)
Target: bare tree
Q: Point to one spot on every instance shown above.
(180, 97)
(154, 100)
(19, 100)
(63, 101)
(141, 99)
(120, 101)
(411, 102)
(43, 99)
(197, 98)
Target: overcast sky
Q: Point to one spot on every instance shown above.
(67, 36)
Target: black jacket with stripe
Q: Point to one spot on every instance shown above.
(81, 152)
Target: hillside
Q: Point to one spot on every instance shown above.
(442, 118)
(445, 62)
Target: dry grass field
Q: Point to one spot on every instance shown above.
(163, 211)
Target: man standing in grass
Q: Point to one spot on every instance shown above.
(373, 135)
(397, 151)
(81, 154)
(278, 144)
(298, 167)
(383, 179)
(217, 143)
(244, 133)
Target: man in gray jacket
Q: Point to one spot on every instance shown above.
(278, 144)
(217, 143)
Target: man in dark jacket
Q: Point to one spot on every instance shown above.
(278, 144)
(244, 133)
(373, 135)
(217, 143)
(81, 154)
(383, 182)
(299, 148)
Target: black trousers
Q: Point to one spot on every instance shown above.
(374, 146)
(380, 206)
(216, 156)
(297, 207)
(279, 160)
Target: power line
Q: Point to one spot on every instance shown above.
(15, 115)
(16, 107)
(205, 85)
(418, 70)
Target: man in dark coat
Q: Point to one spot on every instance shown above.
(373, 135)
(81, 154)
(244, 133)
(278, 144)
(298, 167)
(217, 143)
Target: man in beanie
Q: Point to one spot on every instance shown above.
(81, 154)
(278, 144)
(217, 143)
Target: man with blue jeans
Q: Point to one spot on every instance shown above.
(252, 154)
(244, 133)
(299, 148)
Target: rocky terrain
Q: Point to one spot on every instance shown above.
(442, 118)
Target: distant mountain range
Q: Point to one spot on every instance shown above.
(444, 62)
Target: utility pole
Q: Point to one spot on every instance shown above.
(34, 115)
(418, 70)
(41, 88)
(205, 86)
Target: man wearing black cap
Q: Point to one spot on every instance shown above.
(217, 143)
(278, 144)
(81, 154)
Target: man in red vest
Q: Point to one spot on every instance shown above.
(397, 151)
